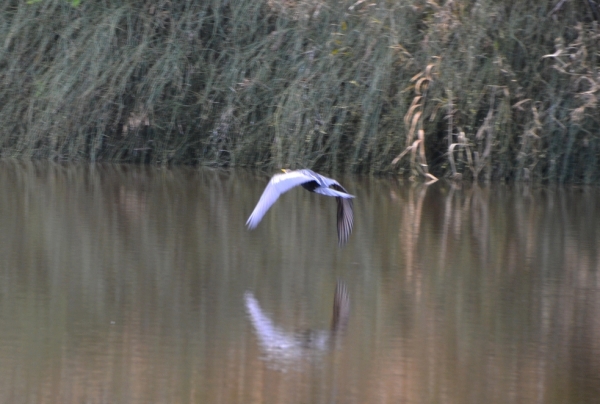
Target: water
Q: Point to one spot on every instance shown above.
(123, 284)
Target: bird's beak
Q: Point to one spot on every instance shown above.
(285, 170)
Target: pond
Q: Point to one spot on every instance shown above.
(128, 284)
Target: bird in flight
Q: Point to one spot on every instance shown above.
(313, 182)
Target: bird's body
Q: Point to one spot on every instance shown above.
(312, 182)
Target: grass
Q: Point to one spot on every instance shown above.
(464, 89)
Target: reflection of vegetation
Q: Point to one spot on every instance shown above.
(498, 269)
(465, 89)
(459, 293)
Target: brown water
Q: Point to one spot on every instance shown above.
(122, 284)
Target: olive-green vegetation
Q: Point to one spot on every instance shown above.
(467, 89)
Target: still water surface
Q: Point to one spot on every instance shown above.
(124, 284)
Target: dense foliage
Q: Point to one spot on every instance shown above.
(463, 88)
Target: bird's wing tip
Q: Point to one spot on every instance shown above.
(251, 223)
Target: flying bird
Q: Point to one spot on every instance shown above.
(313, 182)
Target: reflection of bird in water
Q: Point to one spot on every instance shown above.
(313, 182)
(287, 345)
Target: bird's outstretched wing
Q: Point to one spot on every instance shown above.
(333, 192)
(345, 214)
(278, 185)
